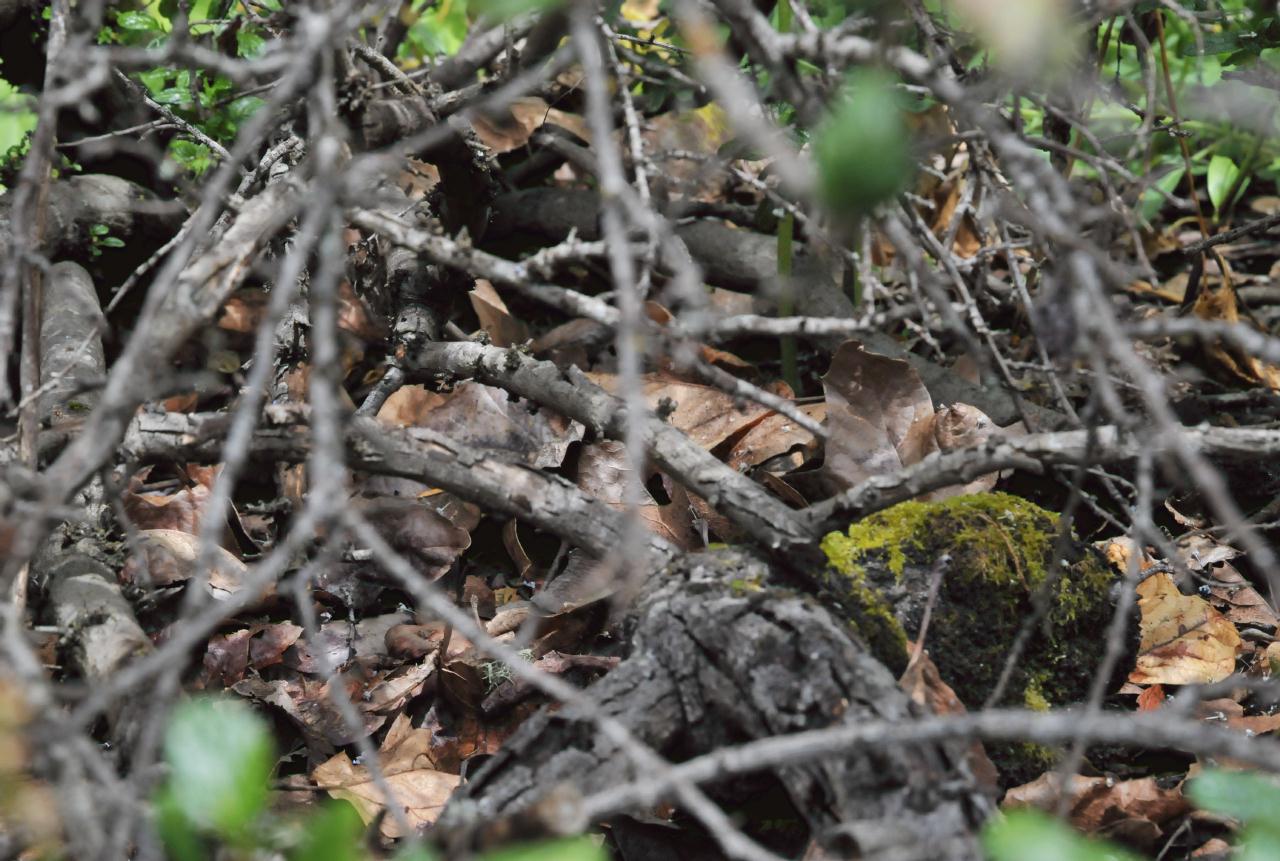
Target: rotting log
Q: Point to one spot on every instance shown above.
(719, 655)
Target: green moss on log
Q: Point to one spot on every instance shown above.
(1001, 548)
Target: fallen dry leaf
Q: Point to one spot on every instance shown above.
(166, 557)
(777, 435)
(415, 785)
(486, 417)
(229, 656)
(706, 414)
(1132, 810)
(1242, 604)
(880, 418)
(517, 122)
(924, 685)
(603, 472)
(1222, 305)
(419, 532)
(1151, 698)
(503, 329)
(1185, 641)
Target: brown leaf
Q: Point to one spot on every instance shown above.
(243, 311)
(228, 657)
(1184, 639)
(706, 414)
(417, 641)
(1135, 810)
(1151, 698)
(306, 702)
(603, 472)
(168, 556)
(486, 418)
(1221, 304)
(962, 426)
(512, 128)
(924, 685)
(774, 436)
(503, 329)
(415, 785)
(879, 416)
(419, 532)
(1239, 601)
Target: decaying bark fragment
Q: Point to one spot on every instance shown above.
(720, 656)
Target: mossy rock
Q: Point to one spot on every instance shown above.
(1001, 549)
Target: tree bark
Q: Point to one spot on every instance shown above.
(719, 656)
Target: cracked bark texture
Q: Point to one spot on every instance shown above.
(718, 656)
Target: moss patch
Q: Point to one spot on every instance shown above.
(1001, 548)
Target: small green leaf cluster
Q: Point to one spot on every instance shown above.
(207, 100)
(100, 237)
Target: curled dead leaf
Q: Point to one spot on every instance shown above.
(167, 557)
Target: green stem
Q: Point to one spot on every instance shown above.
(786, 298)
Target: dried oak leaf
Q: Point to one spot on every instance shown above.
(166, 557)
(1133, 810)
(415, 784)
(1185, 641)
(924, 685)
(1238, 600)
(774, 436)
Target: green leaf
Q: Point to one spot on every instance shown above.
(139, 22)
(249, 42)
(243, 108)
(220, 756)
(1222, 176)
(175, 830)
(1243, 795)
(99, 230)
(505, 10)
(111, 242)
(440, 32)
(1152, 202)
(565, 849)
(862, 150)
(331, 834)
(193, 156)
(17, 117)
(1024, 834)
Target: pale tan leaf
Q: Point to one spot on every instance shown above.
(419, 789)
(1185, 640)
(503, 329)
